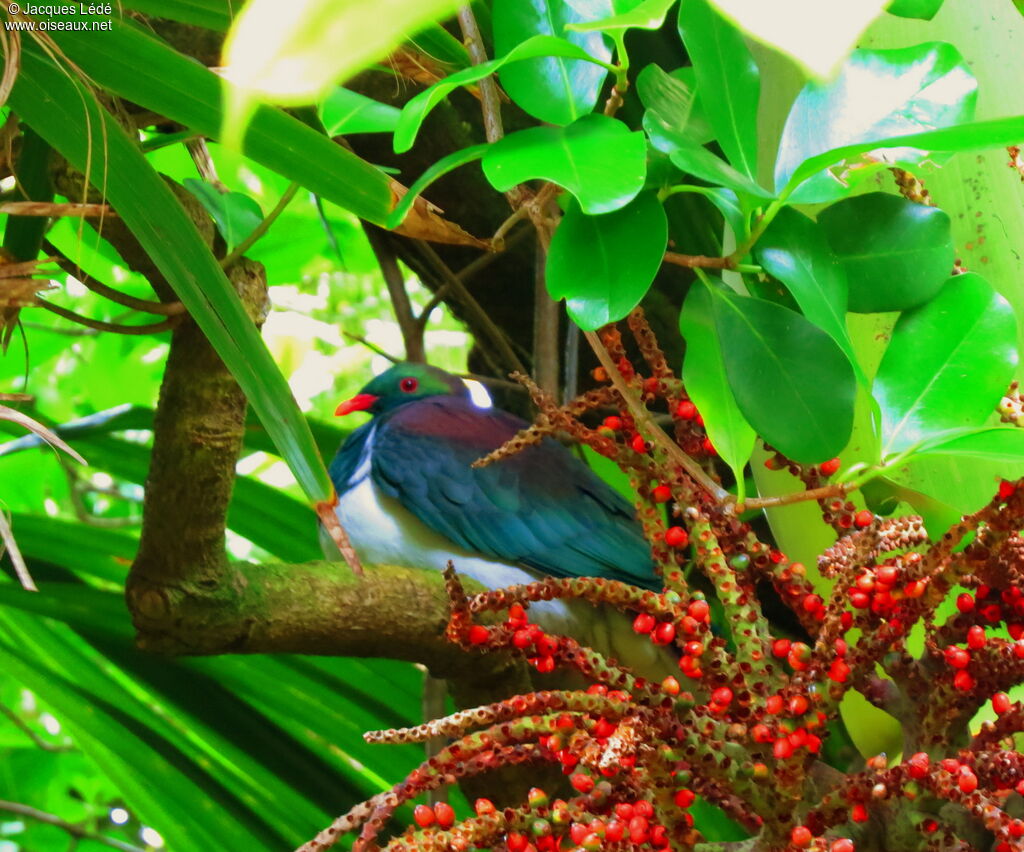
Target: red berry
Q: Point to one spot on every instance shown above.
(976, 637)
(478, 634)
(614, 423)
(812, 603)
(676, 537)
(1001, 703)
(964, 602)
(664, 633)
(641, 807)
(686, 410)
(842, 844)
(798, 705)
(863, 518)
(638, 444)
(722, 696)
(780, 647)
(670, 686)
(483, 807)
(644, 623)
(445, 814)
(829, 467)
(966, 780)
(699, 609)
(859, 813)
(661, 494)
(684, 798)
(963, 681)
(773, 705)
(957, 657)
(424, 815)
(801, 836)
(536, 798)
(762, 733)
(917, 765)
(783, 748)
(583, 783)
(1006, 490)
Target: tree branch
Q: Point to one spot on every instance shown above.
(71, 828)
(408, 323)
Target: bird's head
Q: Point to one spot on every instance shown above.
(403, 383)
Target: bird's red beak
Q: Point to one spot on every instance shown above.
(360, 402)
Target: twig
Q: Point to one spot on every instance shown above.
(642, 415)
(546, 314)
(204, 163)
(168, 309)
(26, 729)
(496, 335)
(71, 828)
(261, 228)
(823, 493)
(408, 323)
(99, 325)
(692, 261)
(485, 260)
(489, 100)
(47, 208)
(358, 338)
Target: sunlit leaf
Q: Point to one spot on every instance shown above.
(603, 265)
(598, 159)
(700, 162)
(294, 53)
(647, 15)
(437, 170)
(727, 79)
(896, 254)
(707, 384)
(948, 363)
(818, 34)
(791, 380)
(923, 9)
(556, 89)
(345, 111)
(878, 95)
(673, 112)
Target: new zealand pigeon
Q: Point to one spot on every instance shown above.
(409, 496)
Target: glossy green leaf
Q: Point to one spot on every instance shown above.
(235, 213)
(791, 380)
(818, 34)
(345, 111)
(417, 109)
(597, 158)
(896, 254)
(212, 14)
(725, 200)
(603, 265)
(923, 9)
(978, 135)
(707, 384)
(948, 363)
(673, 113)
(294, 53)
(795, 251)
(991, 443)
(145, 71)
(439, 44)
(700, 162)
(878, 95)
(70, 119)
(727, 79)
(437, 170)
(556, 89)
(93, 551)
(647, 15)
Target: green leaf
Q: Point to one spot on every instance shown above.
(817, 35)
(923, 9)
(437, 170)
(597, 158)
(707, 384)
(345, 111)
(648, 15)
(700, 162)
(791, 380)
(795, 251)
(896, 254)
(414, 112)
(293, 54)
(673, 113)
(67, 115)
(144, 70)
(990, 443)
(603, 265)
(93, 551)
(727, 79)
(557, 89)
(235, 213)
(878, 95)
(948, 363)
(212, 14)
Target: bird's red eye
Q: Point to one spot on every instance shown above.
(409, 384)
